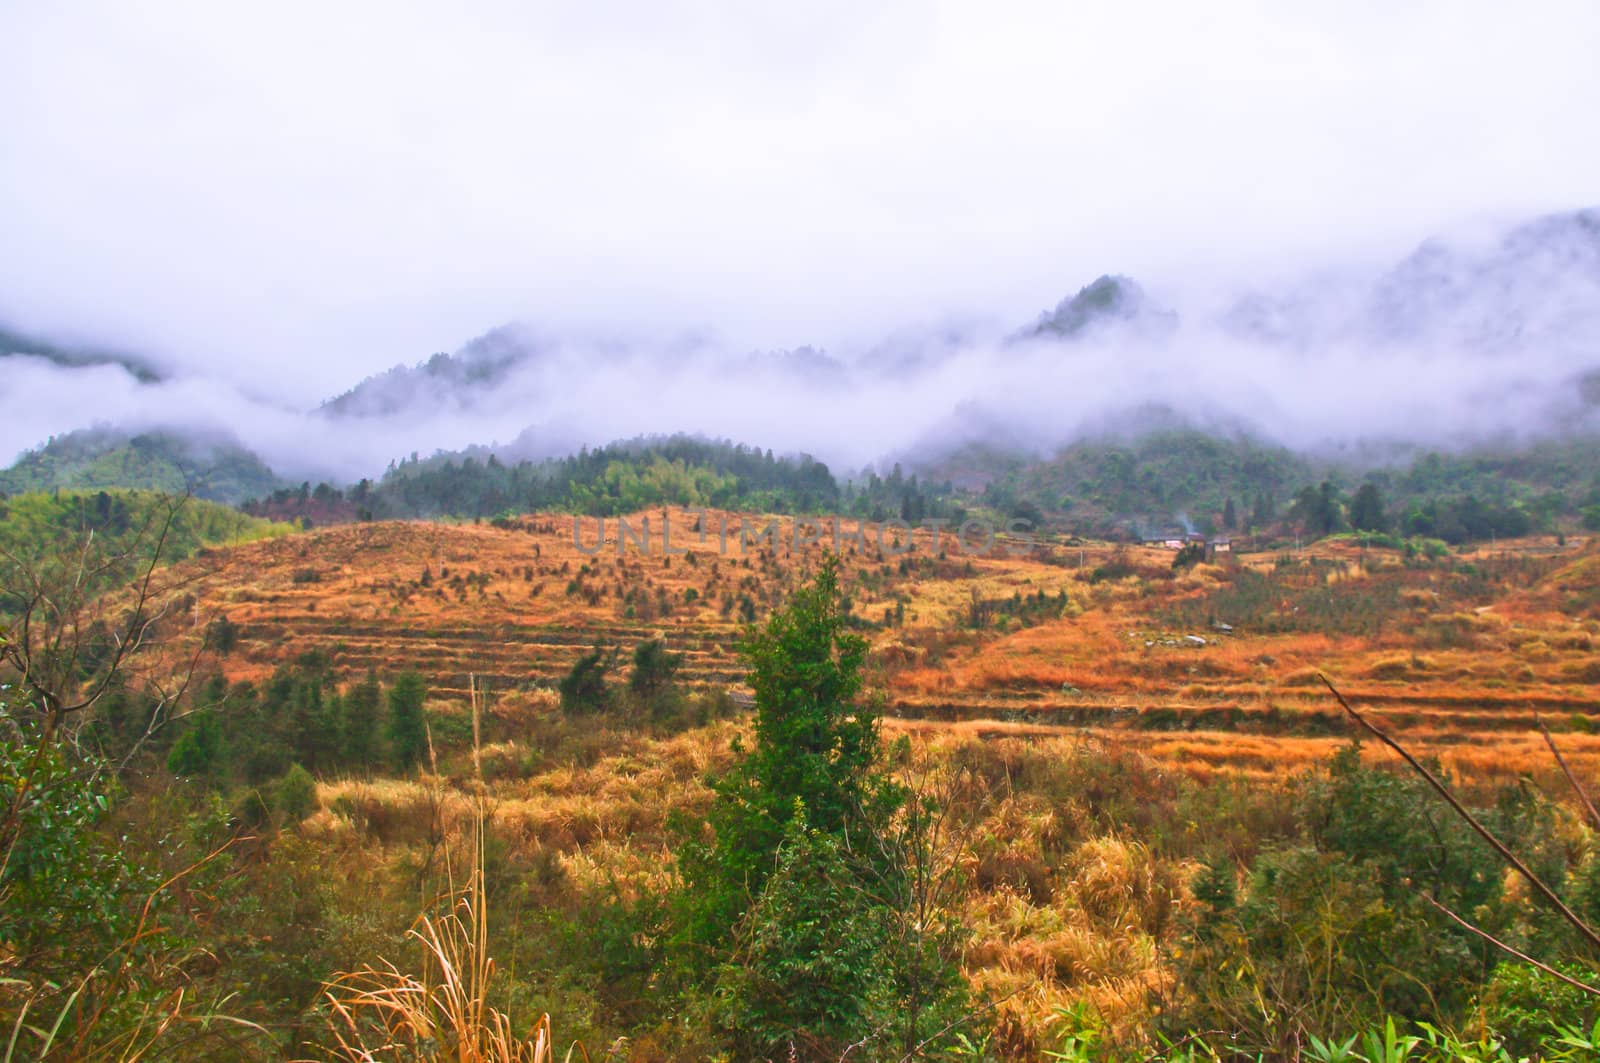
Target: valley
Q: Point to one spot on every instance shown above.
(744, 533)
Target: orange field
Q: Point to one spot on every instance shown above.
(1213, 668)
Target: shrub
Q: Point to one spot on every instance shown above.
(1528, 1008)
(804, 969)
(62, 880)
(653, 670)
(1337, 932)
(195, 753)
(295, 795)
(583, 688)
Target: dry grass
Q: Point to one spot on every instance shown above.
(383, 1012)
(444, 1013)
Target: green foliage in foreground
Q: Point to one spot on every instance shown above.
(1340, 928)
(96, 937)
(63, 883)
(1385, 1042)
(1319, 937)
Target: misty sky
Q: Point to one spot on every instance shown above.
(295, 195)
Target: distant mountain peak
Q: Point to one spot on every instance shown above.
(478, 366)
(1108, 300)
(1537, 282)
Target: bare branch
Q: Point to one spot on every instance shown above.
(1509, 950)
(138, 625)
(1572, 780)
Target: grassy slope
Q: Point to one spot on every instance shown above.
(1468, 643)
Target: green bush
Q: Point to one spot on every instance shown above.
(63, 881)
(295, 795)
(1336, 933)
(653, 670)
(196, 752)
(583, 688)
(1528, 1009)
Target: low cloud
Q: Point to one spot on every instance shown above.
(1466, 340)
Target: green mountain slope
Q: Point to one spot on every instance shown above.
(41, 521)
(157, 461)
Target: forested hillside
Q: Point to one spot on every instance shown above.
(1222, 483)
(40, 522)
(167, 461)
(1120, 487)
(618, 478)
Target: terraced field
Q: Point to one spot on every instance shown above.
(1214, 666)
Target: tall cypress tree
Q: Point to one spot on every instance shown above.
(362, 704)
(408, 729)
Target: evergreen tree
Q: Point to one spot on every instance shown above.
(794, 907)
(1263, 512)
(1317, 510)
(295, 795)
(223, 635)
(1330, 516)
(814, 748)
(317, 721)
(362, 704)
(653, 670)
(196, 752)
(1230, 518)
(1366, 509)
(408, 729)
(583, 688)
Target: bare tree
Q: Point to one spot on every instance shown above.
(75, 612)
(82, 616)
